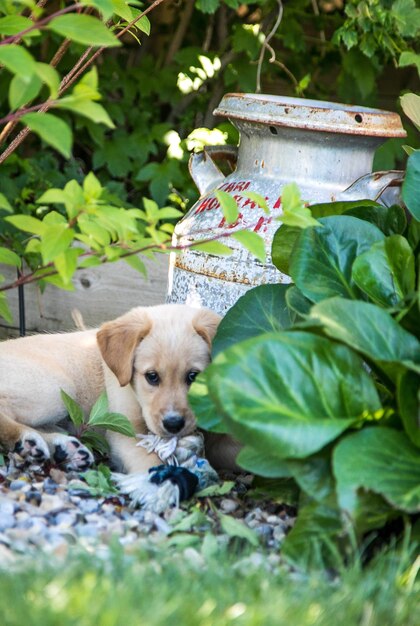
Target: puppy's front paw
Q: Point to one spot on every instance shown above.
(32, 448)
(73, 455)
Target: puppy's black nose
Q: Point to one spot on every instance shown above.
(174, 423)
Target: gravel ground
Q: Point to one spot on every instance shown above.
(44, 508)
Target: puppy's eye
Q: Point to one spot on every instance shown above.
(152, 378)
(191, 376)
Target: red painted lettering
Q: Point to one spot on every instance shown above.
(277, 204)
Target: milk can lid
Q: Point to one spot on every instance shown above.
(311, 115)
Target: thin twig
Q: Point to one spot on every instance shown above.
(321, 32)
(165, 246)
(69, 79)
(178, 38)
(37, 25)
(265, 45)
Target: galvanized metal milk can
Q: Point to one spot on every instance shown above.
(326, 148)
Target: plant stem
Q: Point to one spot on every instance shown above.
(163, 247)
(67, 81)
(37, 25)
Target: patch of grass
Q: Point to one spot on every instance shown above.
(204, 586)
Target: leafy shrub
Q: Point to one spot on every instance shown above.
(320, 379)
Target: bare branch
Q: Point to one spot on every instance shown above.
(265, 45)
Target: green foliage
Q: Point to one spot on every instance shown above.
(320, 380)
(98, 482)
(99, 417)
(87, 588)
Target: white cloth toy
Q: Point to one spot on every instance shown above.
(184, 472)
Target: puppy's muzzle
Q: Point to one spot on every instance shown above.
(173, 423)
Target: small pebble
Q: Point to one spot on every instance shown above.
(6, 521)
(46, 509)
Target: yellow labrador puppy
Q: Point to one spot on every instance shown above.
(146, 360)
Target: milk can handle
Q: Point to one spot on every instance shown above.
(373, 186)
(204, 170)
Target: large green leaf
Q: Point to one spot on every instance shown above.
(382, 460)
(312, 542)
(411, 184)
(313, 475)
(371, 331)
(386, 272)
(87, 108)
(56, 239)
(408, 394)
(289, 394)
(390, 220)
(83, 29)
(73, 408)
(51, 129)
(205, 410)
(115, 422)
(262, 464)
(260, 310)
(5, 311)
(8, 257)
(281, 249)
(18, 60)
(326, 209)
(22, 90)
(323, 256)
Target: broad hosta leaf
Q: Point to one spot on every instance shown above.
(8, 257)
(203, 406)
(290, 393)
(325, 209)
(74, 410)
(51, 129)
(297, 302)
(323, 256)
(83, 29)
(410, 188)
(253, 242)
(371, 331)
(408, 394)
(262, 464)
(228, 205)
(386, 272)
(17, 60)
(390, 220)
(382, 460)
(261, 310)
(313, 475)
(281, 249)
(312, 540)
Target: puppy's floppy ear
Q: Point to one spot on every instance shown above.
(205, 323)
(118, 340)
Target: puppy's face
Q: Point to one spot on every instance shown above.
(159, 351)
